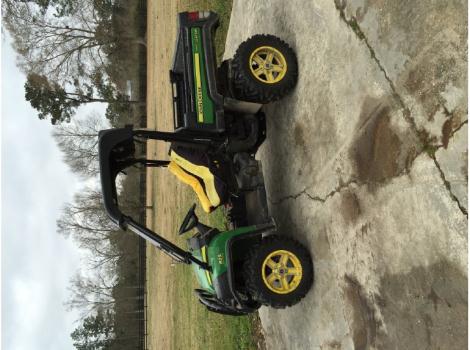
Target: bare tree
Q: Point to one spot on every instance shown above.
(78, 142)
(59, 47)
(68, 50)
(91, 294)
(64, 40)
(86, 222)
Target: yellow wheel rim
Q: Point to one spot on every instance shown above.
(282, 272)
(268, 64)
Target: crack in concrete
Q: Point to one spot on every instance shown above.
(354, 26)
(447, 185)
(340, 188)
(405, 171)
(305, 192)
(297, 195)
(352, 23)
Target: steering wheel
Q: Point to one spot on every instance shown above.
(190, 221)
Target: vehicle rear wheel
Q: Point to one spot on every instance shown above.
(278, 272)
(264, 69)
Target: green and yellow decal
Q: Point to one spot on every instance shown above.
(204, 258)
(204, 105)
(203, 276)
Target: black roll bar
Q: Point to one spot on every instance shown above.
(164, 245)
(116, 152)
(177, 137)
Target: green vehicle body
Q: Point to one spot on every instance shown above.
(215, 254)
(209, 121)
(204, 104)
(198, 106)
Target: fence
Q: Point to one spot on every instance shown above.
(142, 262)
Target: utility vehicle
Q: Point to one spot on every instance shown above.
(218, 127)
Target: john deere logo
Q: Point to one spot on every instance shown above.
(220, 258)
(195, 36)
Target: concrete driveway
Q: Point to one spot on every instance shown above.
(366, 163)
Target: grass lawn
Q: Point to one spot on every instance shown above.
(176, 319)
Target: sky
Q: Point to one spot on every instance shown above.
(36, 262)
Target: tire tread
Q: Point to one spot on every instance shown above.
(262, 295)
(246, 87)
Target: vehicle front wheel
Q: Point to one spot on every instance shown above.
(278, 272)
(264, 69)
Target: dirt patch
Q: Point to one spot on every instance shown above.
(304, 137)
(258, 333)
(350, 207)
(161, 31)
(378, 152)
(446, 132)
(427, 305)
(299, 136)
(450, 126)
(464, 168)
(332, 345)
(364, 325)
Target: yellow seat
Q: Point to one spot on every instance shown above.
(194, 183)
(201, 172)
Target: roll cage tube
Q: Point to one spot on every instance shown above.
(178, 137)
(116, 151)
(161, 243)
